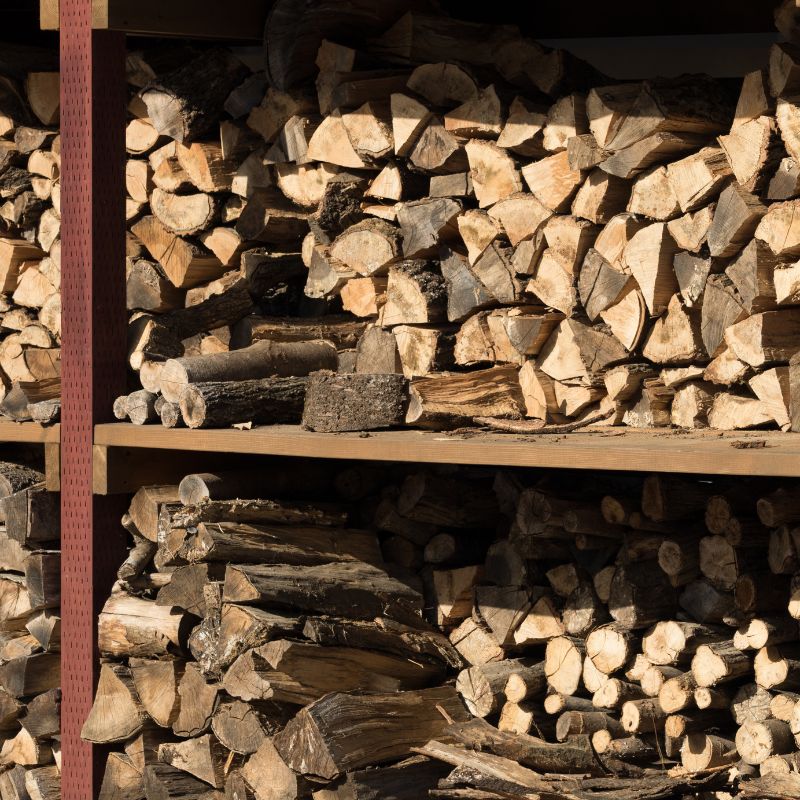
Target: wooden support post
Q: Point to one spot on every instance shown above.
(93, 357)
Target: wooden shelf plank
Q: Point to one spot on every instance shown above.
(195, 19)
(30, 432)
(765, 453)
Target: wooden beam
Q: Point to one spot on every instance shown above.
(194, 19)
(710, 453)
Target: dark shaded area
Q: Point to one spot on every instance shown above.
(586, 18)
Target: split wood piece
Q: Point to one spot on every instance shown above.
(408, 719)
(203, 758)
(198, 701)
(584, 153)
(117, 713)
(494, 269)
(264, 544)
(377, 352)
(520, 215)
(156, 684)
(148, 290)
(607, 108)
(778, 230)
(570, 757)
(450, 398)
(132, 626)
(494, 173)
(736, 218)
(696, 179)
(415, 295)
(359, 591)
(364, 297)
(354, 402)
(162, 782)
(553, 282)
(674, 105)
(423, 350)
(427, 223)
(184, 263)
(754, 150)
(676, 336)
(577, 352)
(600, 286)
(523, 132)
(785, 183)
(649, 256)
(269, 217)
(552, 181)
(651, 151)
(601, 197)
(340, 330)
(478, 229)
(387, 636)
(764, 338)
(217, 404)
(722, 308)
(437, 151)
(261, 360)
(652, 196)
(368, 248)
(691, 230)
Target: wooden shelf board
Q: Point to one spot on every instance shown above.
(30, 432)
(194, 19)
(607, 449)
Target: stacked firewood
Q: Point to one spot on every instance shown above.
(30, 596)
(384, 632)
(30, 244)
(494, 229)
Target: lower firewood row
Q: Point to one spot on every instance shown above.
(381, 632)
(30, 596)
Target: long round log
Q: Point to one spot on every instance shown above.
(261, 360)
(701, 751)
(757, 741)
(221, 404)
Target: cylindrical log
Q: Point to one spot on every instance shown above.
(526, 683)
(260, 360)
(655, 677)
(573, 723)
(719, 663)
(677, 693)
(268, 400)
(757, 741)
(482, 687)
(701, 751)
(643, 716)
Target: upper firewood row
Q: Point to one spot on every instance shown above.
(512, 233)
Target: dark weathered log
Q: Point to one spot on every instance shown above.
(353, 590)
(221, 404)
(313, 742)
(354, 402)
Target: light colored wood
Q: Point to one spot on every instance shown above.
(632, 451)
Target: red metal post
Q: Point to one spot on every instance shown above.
(93, 356)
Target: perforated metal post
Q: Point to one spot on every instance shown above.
(93, 356)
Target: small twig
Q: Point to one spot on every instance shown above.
(448, 718)
(536, 426)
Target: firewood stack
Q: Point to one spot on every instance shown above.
(30, 596)
(385, 632)
(30, 244)
(498, 227)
